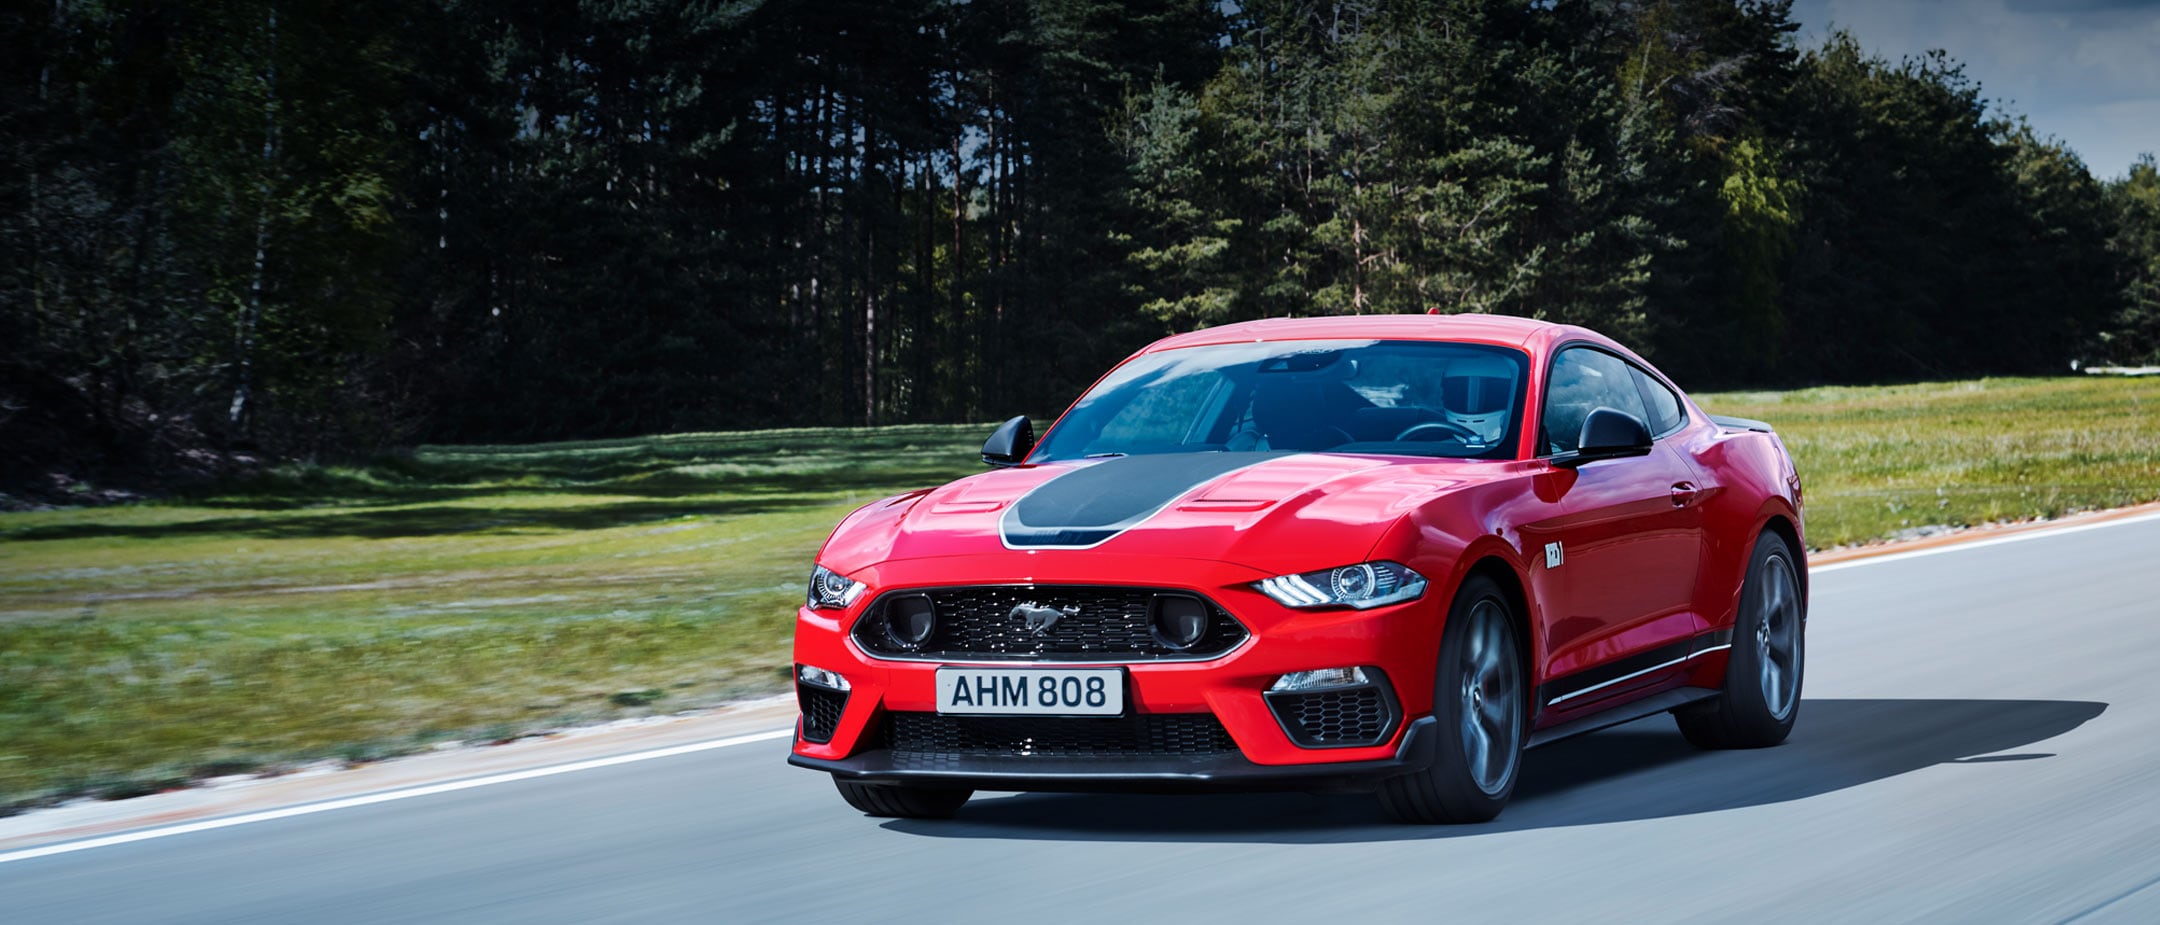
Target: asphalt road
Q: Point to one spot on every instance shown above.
(1977, 743)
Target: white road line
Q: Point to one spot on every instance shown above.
(2034, 534)
(771, 734)
(387, 796)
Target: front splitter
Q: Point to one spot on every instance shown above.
(1229, 771)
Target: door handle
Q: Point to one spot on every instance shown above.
(1683, 494)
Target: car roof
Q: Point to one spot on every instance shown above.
(1504, 330)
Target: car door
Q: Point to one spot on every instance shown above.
(1615, 553)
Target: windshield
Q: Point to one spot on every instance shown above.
(1417, 398)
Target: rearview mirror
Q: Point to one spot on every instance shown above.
(1608, 434)
(1010, 443)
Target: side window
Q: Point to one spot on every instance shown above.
(1665, 413)
(1584, 380)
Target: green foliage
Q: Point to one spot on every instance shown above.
(312, 230)
(1188, 280)
(1930, 239)
(1368, 158)
(1760, 212)
(2134, 199)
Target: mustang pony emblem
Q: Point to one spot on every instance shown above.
(1040, 619)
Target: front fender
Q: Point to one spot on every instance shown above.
(1446, 540)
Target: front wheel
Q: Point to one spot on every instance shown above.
(1480, 701)
(1761, 696)
(901, 801)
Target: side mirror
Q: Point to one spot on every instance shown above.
(1608, 434)
(1010, 443)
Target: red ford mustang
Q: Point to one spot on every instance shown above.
(1384, 553)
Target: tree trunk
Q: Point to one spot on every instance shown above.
(821, 136)
(239, 415)
(54, 33)
(921, 400)
(965, 396)
(868, 217)
(999, 209)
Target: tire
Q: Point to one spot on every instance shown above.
(901, 801)
(1761, 697)
(1481, 702)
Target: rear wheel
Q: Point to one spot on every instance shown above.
(1761, 698)
(1480, 702)
(901, 801)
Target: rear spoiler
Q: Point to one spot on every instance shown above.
(1733, 423)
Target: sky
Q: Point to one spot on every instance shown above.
(2084, 71)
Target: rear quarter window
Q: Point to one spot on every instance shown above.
(1666, 414)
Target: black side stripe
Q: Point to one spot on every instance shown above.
(1574, 686)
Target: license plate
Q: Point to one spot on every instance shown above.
(1032, 691)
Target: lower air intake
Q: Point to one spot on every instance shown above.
(1339, 718)
(821, 709)
(1162, 734)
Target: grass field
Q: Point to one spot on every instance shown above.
(480, 592)
(458, 593)
(1890, 461)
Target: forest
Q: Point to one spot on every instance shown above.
(261, 229)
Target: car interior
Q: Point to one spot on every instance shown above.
(1450, 401)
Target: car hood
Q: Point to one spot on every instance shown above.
(1267, 511)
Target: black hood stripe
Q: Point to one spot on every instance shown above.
(1090, 504)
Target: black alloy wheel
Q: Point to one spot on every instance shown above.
(1480, 700)
(1761, 698)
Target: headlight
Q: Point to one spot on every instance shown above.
(830, 590)
(1367, 584)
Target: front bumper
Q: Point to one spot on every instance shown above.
(1225, 772)
(1401, 640)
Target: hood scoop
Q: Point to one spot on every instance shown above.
(1258, 487)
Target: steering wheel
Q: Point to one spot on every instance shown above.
(1449, 426)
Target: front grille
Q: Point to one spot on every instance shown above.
(1161, 734)
(1335, 718)
(1094, 624)
(821, 709)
